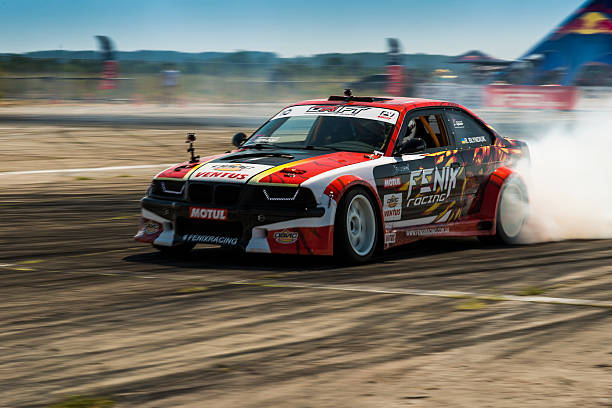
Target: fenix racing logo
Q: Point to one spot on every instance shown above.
(430, 181)
(210, 239)
(338, 110)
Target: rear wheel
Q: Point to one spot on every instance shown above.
(512, 213)
(175, 251)
(356, 230)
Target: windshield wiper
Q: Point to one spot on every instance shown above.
(312, 147)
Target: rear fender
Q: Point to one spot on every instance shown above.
(492, 192)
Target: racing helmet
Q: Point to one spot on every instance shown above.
(411, 131)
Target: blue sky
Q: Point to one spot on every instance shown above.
(504, 29)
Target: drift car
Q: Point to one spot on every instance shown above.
(344, 176)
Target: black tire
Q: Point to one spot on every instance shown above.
(357, 229)
(512, 213)
(176, 251)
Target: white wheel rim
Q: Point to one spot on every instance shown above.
(512, 210)
(360, 225)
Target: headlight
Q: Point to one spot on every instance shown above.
(281, 193)
(285, 196)
(167, 188)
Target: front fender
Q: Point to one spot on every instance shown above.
(338, 187)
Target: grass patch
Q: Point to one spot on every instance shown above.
(531, 291)
(124, 175)
(471, 304)
(84, 402)
(123, 217)
(31, 261)
(83, 178)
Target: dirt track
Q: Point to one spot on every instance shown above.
(87, 311)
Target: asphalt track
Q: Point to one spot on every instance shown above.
(86, 311)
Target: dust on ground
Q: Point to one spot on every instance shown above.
(87, 311)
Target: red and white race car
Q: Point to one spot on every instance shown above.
(344, 176)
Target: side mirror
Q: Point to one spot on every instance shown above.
(238, 139)
(412, 146)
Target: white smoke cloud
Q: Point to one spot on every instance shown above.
(570, 182)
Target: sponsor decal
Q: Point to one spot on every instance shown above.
(338, 109)
(392, 201)
(362, 112)
(392, 182)
(429, 181)
(588, 23)
(531, 97)
(387, 115)
(230, 167)
(209, 239)
(202, 213)
(286, 236)
(228, 172)
(390, 237)
(151, 227)
(458, 124)
(266, 139)
(221, 174)
(392, 207)
(427, 232)
(478, 139)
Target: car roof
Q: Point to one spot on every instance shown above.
(399, 103)
(402, 104)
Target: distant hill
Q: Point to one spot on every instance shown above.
(156, 56)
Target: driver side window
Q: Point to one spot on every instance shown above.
(430, 128)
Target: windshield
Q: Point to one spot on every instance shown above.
(326, 132)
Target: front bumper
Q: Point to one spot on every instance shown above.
(252, 228)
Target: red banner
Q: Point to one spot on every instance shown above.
(396, 84)
(110, 72)
(531, 97)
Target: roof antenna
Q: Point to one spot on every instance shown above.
(349, 94)
(191, 137)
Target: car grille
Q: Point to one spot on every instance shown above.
(214, 194)
(201, 193)
(232, 229)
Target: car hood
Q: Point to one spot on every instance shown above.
(265, 166)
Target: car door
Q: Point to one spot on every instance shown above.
(421, 188)
(475, 143)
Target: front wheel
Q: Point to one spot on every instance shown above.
(356, 231)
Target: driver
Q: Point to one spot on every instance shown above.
(410, 132)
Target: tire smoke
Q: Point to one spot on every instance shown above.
(570, 182)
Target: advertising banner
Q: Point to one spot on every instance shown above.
(531, 97)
